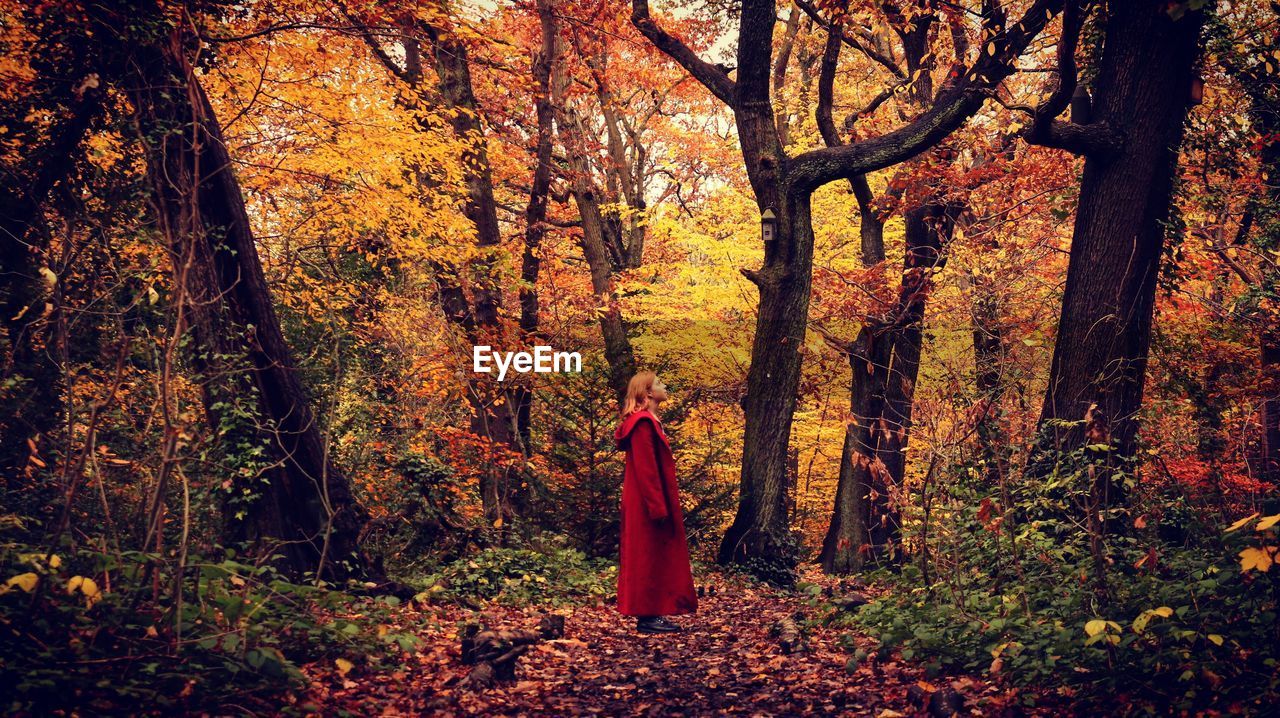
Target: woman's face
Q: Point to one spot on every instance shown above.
(658, 392)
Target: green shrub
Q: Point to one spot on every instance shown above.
(1016, 592)
(546, 572)
(82, 632)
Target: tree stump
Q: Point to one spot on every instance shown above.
(493, 653)
(551, 626)
(790, 639)
(940, 703)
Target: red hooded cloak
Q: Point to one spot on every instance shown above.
(654, 578)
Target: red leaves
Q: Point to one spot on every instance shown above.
(988, 515)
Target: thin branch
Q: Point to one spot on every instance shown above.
(850, 40)
(955, 105)
(713, 77)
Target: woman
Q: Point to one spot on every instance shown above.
(655, 579)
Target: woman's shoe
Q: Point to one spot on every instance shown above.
(656, 624)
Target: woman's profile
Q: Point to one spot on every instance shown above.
(655, 579)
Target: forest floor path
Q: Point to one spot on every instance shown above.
(725, 662)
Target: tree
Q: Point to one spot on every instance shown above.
(885, 356)
(282, 486)
(601, 242)
(784, 184)
(67, 90)
(544, 62)
(495, 410)
(1259, 75)
(1129, 138)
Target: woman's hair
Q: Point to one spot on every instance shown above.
(638, 393)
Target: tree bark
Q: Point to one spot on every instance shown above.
(497, 410)
(885, 364)
(293, 495)
(865, 522)
(1142, 94)
(988, 363)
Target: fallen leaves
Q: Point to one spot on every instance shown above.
(725, 662)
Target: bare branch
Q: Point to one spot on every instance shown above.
(1097, 138)
(850, 40)
(711, 76)
(954, 105)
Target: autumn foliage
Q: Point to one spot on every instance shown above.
(1006, 369)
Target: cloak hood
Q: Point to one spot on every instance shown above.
(622, 435)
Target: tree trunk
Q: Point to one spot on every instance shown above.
(535, 220)
(595, 241)
(254, 399)
(495, 410)
(30, 405)
(1264, 95)
(860, 490)
(624, 177)
(885, 363)
(1100, 357)
(759, 528)
(988, 363)
(1270, 357)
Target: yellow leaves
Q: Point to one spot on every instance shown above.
(1241, 522)
(28, 581)
(1102, 630)
(1140, 623)
(25, 581)
(86, 586)
(1267, 522)
(1257, 558)
(1215, 639)
(1095, 626)
(344, 666)
(997, 655)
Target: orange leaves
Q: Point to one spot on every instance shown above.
(985, 509)
(1257, 558)
(725, 662)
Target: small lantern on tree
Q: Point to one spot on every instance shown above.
(768, 226)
